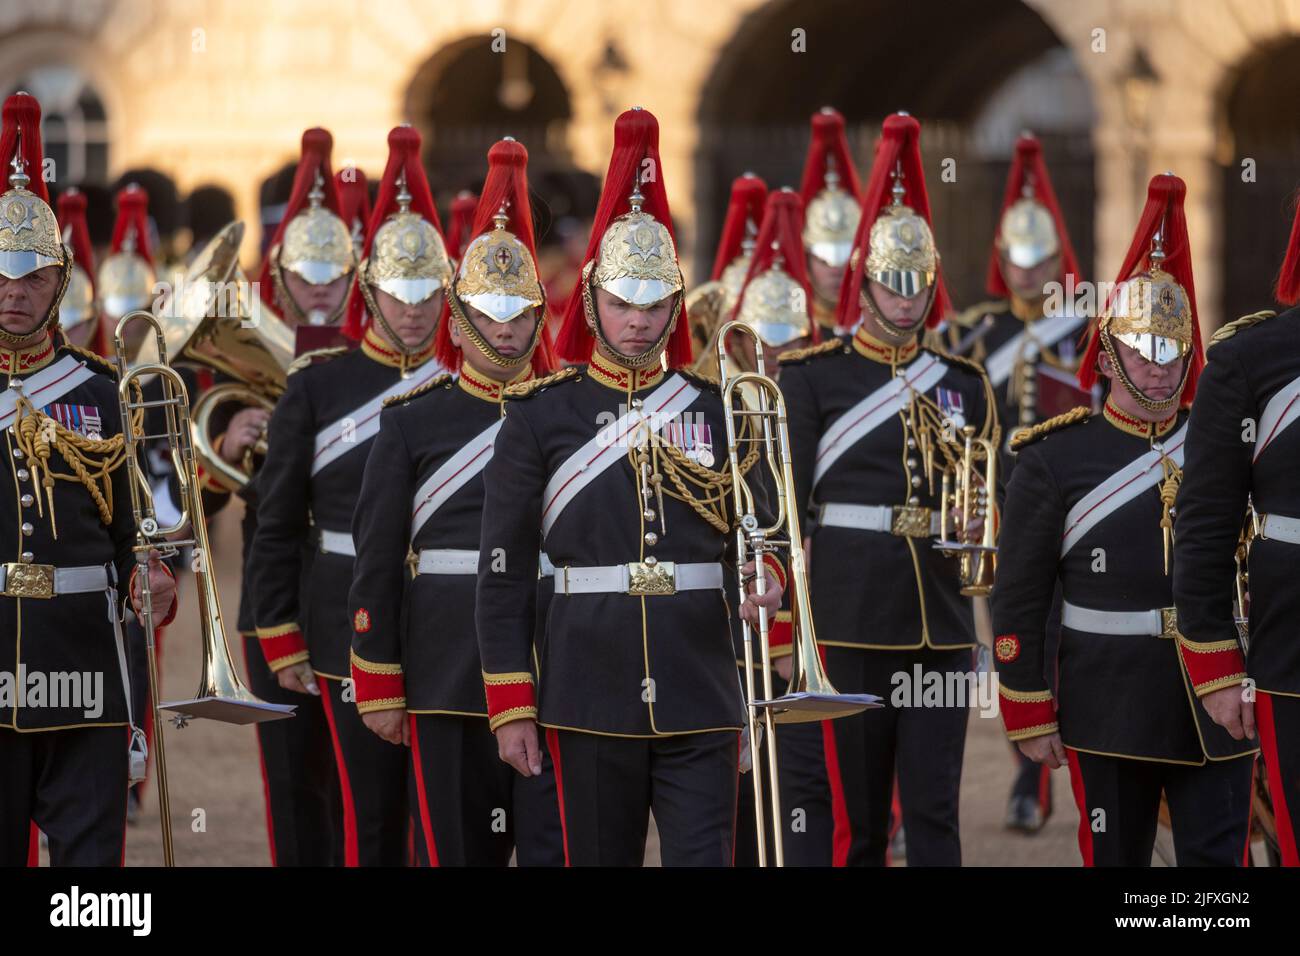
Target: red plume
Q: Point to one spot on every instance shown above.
(403, 156)
(1028, 161)
(72, 215)
(317, 144)
(636, 153)
(354, 196)
(900, 142)
(1165, 196)
(1287, 290)
(748, 193)
(506, 185)
(462, 221)
(780, 235)
(828, 140)
(133, 220)
(22, 115)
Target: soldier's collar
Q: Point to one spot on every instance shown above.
(1135, 426)
(376, 347)
(27, 359)
(868, 346)
(480, 386)
(612, 375)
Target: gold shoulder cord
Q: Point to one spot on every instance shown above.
(93, 460)
(1168, 494)
(654, 457)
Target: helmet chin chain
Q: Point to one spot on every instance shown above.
(892, 328)
(642, 360)
(1150, 404)
(286, 299)
(51, 318)
(468, 330)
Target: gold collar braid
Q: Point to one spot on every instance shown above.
(93, 460)
(653, 457)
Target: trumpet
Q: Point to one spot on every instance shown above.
(966, 492)
(222, 695)
(810, 695)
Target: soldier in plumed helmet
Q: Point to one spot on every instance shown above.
(832, 211)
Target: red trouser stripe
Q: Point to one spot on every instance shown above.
(839, 809)
(1044, 789)
(266, 800)
(1266, 724)
(34, 846)
(351, 856)
(1250, 819)
(1081, 800)
(426, 823)
(553, 745)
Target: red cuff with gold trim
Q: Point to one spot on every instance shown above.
(509, 697)
(1026, 714)
(777, 567)
(1214, 666)
(282, 645)
(377, 686)
(781, 634)
(171, 611)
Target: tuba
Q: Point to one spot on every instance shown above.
(221, 695)
(810, 695)
(220, 322)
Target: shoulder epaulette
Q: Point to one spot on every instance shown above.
(307, 359)
(1236, 325)
(813, 351)
(968, 317)
(94, 359)
(533, 386)
(696, 377)
(419, 390)
(1034, 432)
(962, 360)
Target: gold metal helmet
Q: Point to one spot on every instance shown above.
(831, 221)
(317, 245)
(126, 280)
(776, 306)
(638, 260)
(78, 304)
(29, 235)
(901, 253)
(1151, 314)
(408, 258)
(1027, 233)
(497, 274)
(733, 275)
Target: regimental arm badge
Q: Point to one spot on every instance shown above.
(1006, 648)
(361, 621)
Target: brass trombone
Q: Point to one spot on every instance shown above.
(810, 695)
(222, 695)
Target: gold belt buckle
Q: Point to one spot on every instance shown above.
(911, 521)
(646, 578)
(29, 580)
(1169, 623)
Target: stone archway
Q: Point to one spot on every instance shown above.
(754, 109)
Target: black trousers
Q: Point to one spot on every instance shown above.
(808, 824)
(372, 782)
(70, 783)
(609, 785)
(923, 745)
(1119, 807)
(1278, 720)
(304, 807)
(470, 807)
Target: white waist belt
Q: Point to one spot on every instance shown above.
(83, 580)
(462, 561)
(617, 579)
(337, 542)
(1280, 528)
(1159, 622)
(866, 517)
